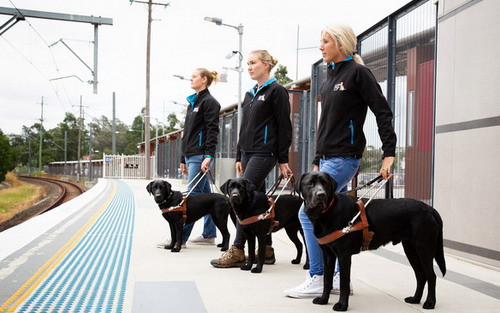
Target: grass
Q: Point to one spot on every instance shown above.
(19, 197)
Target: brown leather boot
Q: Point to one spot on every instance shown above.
(233, 257)
(269, 257)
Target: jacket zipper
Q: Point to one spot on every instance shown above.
(200, 136)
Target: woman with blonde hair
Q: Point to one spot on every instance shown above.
(265, 137)
(201, 130)
(349, 90)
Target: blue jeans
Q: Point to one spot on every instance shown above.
(342, 170)
(193, 164)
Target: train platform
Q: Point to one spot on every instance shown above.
(98, 253)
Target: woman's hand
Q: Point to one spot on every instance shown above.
(239, 168)
(285, 170)
(205, 165)
(385, 170)
(315, 168)
(183, 167)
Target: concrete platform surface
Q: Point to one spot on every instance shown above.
(98, 253)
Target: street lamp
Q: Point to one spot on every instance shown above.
(239, 28)
(181, 77)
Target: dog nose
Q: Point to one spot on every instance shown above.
(321, 194)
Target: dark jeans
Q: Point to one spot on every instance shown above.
(256, 167)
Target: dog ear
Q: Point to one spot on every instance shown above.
(298, 183)
(167, 185)
(249, 187)
(332, 182)
(223, 188)
(149, 187)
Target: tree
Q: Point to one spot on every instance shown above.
(281, 75)
(172, 122)
(7, 156)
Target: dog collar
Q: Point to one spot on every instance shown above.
(164, 201)
(329, 206)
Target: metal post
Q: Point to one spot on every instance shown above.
(96, 46)
(78, 168)
(391, 82)
(240, 70)
(146, 111)
(90, 152)
(65, 150)
(113, 127)
(41, 140)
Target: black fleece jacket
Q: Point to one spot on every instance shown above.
(265, 124)
(201, 127)
(350, 88)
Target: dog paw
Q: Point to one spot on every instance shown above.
(223, 248)
(220, 245)
(306, 266)
(339, 307)
(175, 250)
(320, 300)
(257, 270)
(296, 261)
(412, 300)
(246, 267)
(429, 305)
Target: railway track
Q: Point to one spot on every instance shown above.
(59, 192)
(66, 190)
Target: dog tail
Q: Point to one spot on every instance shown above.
(439, 253)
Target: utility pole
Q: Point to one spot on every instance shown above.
(65, 150)
(90, 152)
(113, 127)
(147, 135)
(80, 126)
(41, 140)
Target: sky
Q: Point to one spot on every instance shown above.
(181, 41)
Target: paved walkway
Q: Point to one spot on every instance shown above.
(97, 253)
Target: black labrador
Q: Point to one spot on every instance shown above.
(247, 202)
(198, 205)
(418, 226)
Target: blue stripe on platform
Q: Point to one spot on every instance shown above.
(93, 276)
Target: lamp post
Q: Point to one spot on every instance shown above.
(181, 77)
(239, 28)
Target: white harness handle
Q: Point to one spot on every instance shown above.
(346, 229)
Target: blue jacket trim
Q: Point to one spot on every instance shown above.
(265, 135)
(192, 98)
(200, 137)
(351, 127)
(254, 91)
(332, 65)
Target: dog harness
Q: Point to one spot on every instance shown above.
(268, 215)
(182, 207)
(362, 225)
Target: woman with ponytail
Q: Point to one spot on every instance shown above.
(349, 90)
(265, 137)
(201, 130)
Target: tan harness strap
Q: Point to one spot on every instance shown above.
(268, 215)
(180, 208)
(363, 225)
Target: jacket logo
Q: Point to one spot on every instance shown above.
(339, 87)
(261, 98)
(195, 110)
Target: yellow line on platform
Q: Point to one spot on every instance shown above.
(25, 290)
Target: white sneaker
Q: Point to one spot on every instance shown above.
(200, 240)
(312, 287)
(336, 285)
